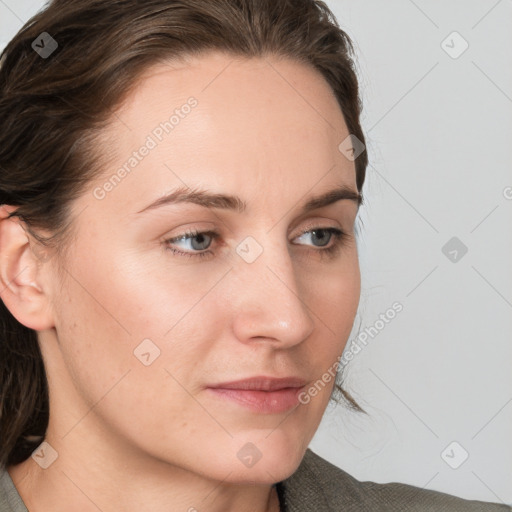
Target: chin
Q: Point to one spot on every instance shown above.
(266, 461)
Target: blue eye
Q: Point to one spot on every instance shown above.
(322, 233)
(191, 236)
(327, 233)
(201, 241)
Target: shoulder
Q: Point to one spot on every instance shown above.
(321, 486)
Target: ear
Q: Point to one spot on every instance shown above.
(20, 274)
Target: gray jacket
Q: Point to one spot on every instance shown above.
(318, 486)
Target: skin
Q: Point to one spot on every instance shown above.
(133, 437)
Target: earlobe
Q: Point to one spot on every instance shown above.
(20, 289)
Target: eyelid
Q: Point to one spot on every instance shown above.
(315, 225)
(190, 233)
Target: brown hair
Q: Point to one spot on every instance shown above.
(54, 104)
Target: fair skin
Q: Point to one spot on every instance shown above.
(134, 437)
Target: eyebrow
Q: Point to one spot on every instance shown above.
(235, 203)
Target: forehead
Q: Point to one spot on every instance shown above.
(228, 123)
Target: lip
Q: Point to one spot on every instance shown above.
(262, 383)
(266, 395)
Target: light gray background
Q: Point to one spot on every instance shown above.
(439, 138)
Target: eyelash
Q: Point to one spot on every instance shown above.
(338, 235)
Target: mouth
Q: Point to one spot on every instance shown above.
(264, 395)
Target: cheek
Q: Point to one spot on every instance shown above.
(93, 339)
(334, 295)
(111, 339)
(334, 301)
(131, 318)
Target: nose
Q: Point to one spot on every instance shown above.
(269, 305)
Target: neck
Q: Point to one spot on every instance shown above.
(95, 479)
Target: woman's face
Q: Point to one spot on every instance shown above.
(145, 327)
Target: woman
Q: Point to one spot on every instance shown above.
(179, 186)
